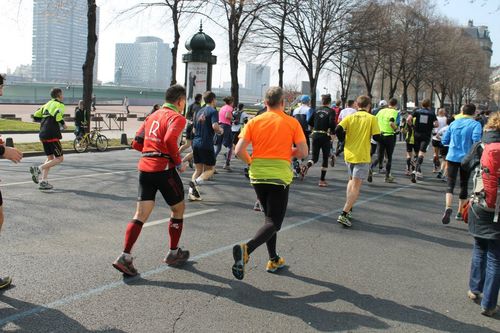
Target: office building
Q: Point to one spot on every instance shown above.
(257, 78)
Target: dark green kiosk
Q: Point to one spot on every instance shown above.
(199, 61)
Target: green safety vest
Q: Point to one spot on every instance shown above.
(52, 108)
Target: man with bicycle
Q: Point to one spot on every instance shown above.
(51, 121)
(159, 167)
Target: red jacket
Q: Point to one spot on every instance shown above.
(160, 133)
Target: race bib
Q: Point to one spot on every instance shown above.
(424, 119)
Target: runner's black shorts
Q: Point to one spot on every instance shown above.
(235, 137)
(168, 182)
(204, 156)
(436, 143)
(53, 148)
(443, 151)
(1, 199)
(422, 142)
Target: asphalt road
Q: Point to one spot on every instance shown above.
(398, 269)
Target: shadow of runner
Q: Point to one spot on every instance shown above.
(384, 308)
(273, 301)
(40, 319)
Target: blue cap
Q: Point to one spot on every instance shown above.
(305, 99)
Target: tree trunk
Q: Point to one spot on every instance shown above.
(405, 95)
(88, 66)
(281, 70)
(175, 48)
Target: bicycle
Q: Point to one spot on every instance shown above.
(94, 139)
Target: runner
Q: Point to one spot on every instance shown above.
(14, 155)
(388, 122)
(240, 117)
(51, 117)
(205, 125)
(323, 124)
(190, 114)
(443, 151)
(303, 114)
(159, 167)
(425, 121)
(272, 136)
(436, 142)
(356, 130)
(460, 137)
(226, 140)
(350, 109)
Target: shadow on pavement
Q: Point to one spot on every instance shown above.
(321, 319)
(40, 319)
(92, 194)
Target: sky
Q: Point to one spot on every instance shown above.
(16, 31)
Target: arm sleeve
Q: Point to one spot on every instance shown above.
(310, 122)
(171, 138)
(298, 134)
(477, 132)
(445, 140)
(138, 142)
(375, 127)
(38, 113)
(340, 132)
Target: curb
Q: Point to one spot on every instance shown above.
(71, 151)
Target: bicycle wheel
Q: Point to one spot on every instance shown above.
(101, 142)
(80, 145)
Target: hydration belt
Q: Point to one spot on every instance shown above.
(159, 154)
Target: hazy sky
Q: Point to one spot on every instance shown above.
(16, 28)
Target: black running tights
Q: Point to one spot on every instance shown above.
(386, 144)
(274, 199)
(454, 169)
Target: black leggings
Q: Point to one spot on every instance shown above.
(273, 199)
(386, 145)
(453, 169)
(321, 142)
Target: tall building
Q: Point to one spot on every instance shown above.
(257, 78)
(146, 63)
(60, 40)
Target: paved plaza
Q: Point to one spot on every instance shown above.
(398, 269)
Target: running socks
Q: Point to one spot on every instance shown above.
(419, 163)
(199, 181)
(323, 174)
(134, 228)
(174, 232)
(408, 163)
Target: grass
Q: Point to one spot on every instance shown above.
(67, 145)
(22, 126)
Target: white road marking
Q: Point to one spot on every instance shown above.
(201, 212)
(92, 175)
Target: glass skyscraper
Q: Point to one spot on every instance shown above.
(145, 63)
(60, 40)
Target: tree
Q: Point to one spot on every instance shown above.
(318, 30)
(88, 66)
(343, 66)
(240, 17)
(177, 9)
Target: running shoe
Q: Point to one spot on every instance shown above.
(323, 183)
(275, 264)
(303, 171)
(44, 185)
(35, 173)
(5, 282)
(191, 165)
(473, 296)
(332, 160)
(439, 175)
(258, 207)
(194, 189)
(413, 177)
(389, 179)
(124, 263)
(349, 215)
(176, 259)
(240, 255)
(489, 312)
(344, 220)
(370, 176)
(420, 175)
(227, 168)
(446, 216)
(459, 217)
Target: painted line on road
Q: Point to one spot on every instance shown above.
(201, 212)
(92, 175)
(98, 290)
